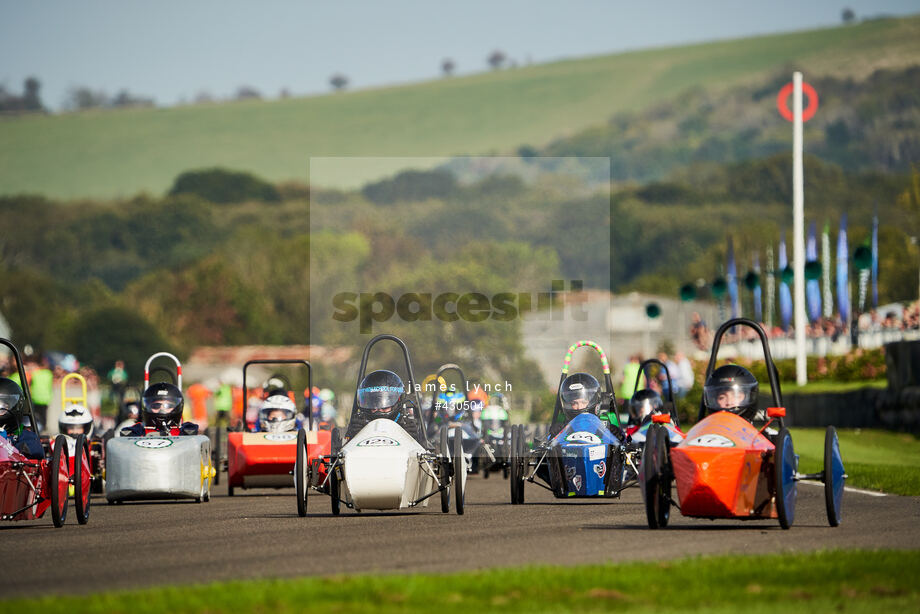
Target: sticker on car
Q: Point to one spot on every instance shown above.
(583, 437)
(291, 436)
(711, 440)
(377, 442)
(153, 444)
(597, 453)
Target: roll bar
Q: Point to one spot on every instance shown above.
(167, 355)
(643, 368)
(412, 388)
(772, 373)
(24, 381)
(308, 397)
(567, 363)
(65, 399)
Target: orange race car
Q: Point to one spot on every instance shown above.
(738, 460)
(263, 454)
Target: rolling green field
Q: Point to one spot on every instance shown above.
(118, 153)
(847, 581)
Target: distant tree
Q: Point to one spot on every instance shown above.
(204, 97)
(447, 67)
(413, 186)
(338, 82)
(848, 15)
(527, 151)
(246, 92)
(284, 93)
(81, 98)
(125, 99)
(497, 59)
(104, 334)
(219, 185)
(30, 97)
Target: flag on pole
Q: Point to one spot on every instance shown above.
(785, 296)
(733, 281)
(758, 309)
(826, 271)
(875, 258)
(843, 269)
(770, 279)
(812, 286)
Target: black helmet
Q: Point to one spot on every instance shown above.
(381, 393)
(732, 388)
(580, 393)
(645, 403)
(162, 405)
(12, 402)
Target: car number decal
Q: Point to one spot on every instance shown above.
(377, 442)
(153, 444)
(711, 440)
(583, 437)
(281, 436)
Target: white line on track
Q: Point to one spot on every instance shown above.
(859, 491)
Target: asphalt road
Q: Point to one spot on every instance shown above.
(258, 534)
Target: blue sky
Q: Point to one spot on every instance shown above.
(172, 50)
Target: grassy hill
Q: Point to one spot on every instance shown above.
(104, 154)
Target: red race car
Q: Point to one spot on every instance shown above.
(738, 460)
(263, 455)
(31, 481)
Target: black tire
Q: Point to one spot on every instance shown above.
(82, 497)
(334, 494)
(656, 476)
(783, 479)
(301, 473)
(513, 467)
(229, 490)
(834, 476)
(59, 501)
(518, 464)
(459, 472)
(506, 454)
(445, 471)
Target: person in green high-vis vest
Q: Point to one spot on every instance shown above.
(630, 371)
(41, 387)
(223, 400)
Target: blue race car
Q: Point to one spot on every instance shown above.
(586, 453)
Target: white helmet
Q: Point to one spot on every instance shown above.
(277, 414)
(76, 420)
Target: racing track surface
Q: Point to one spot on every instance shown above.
(258, 534)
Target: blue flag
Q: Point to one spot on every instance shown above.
(875, 259)
(813, 286)
(733, 281)
(785, 297)
(843, 271)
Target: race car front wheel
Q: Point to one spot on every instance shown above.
(301, 473)
(82, 479)
(444, 461)
(59, 484)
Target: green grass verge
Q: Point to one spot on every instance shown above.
(876, 460)
(118, 153)
(849, 581)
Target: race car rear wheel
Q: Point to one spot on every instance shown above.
(444, 462)
(59, 484)
(459, 472)
(834, 476)
(517, 462)
(334, 493)
(301, 473)
(656, 477)
(784, 466)
(82, 480)
(506, 454)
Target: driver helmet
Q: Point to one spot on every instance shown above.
(12, 402)
(452, 402)
(273, 386)
(278, 414)
(76, 420)
(162, 405)
(381, 393)
(645, 403)
(581, 393)
(328, 413)
(732, 388)
(326, 395)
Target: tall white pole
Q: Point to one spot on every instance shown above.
(798, 232)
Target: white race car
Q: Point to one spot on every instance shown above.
(383, 467)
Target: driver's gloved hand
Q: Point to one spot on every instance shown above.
(188, 428)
